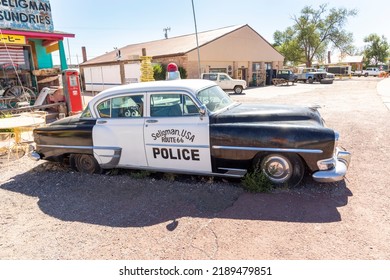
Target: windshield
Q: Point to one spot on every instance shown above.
(214, 98)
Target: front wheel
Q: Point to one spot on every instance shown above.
(85, 163)
(238, 89)
(283, 170)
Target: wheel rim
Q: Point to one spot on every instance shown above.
(19, 93)
(277, 168)
(85, 164)
(238, 90)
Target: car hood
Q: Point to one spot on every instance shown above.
(272, 114)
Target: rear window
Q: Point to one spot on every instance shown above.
(211, 77)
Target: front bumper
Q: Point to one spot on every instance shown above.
(343, 158)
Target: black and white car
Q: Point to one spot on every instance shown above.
(193, 127)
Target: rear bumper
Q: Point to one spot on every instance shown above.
(343, 158)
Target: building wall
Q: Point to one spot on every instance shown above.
(236, 51)
(44, 59)
(100, 77)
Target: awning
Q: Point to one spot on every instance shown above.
(56, 35)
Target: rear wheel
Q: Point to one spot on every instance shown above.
(85, 163)
(238, 89)
(282, 169)
(310, 80)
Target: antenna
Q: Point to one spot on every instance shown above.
(117, 53)
(165, 30)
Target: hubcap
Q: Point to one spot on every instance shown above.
(277, 168)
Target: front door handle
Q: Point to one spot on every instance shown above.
(152, 121)
(101, 122)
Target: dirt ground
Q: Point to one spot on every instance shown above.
(50, 212)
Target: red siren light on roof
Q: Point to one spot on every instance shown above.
(173, 72)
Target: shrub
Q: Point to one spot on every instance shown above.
(256, 182)
(159, 71)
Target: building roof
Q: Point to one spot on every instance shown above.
(175, 46)
(342, 58)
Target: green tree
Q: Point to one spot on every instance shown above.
(289, 46)
(376, 51)
(313, 32)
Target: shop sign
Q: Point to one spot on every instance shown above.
(26, 14)
(12, 39)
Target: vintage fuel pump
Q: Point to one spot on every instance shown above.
(72, 91)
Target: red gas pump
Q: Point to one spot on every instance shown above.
(72, 91)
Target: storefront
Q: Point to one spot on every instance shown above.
(27, 42)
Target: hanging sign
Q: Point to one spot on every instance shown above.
(12, 39)
(26, 14)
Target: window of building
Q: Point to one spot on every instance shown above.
(256, 66)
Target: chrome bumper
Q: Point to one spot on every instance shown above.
(343, 158)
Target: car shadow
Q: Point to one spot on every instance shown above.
(122, 201)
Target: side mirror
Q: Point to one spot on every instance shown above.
(202, 110)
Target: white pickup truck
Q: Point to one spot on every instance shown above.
(226, 82)
(370, 71)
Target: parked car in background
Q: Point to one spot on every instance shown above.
(311, 75)
(226, 82)
(284, 76)
(370, 71)
(193, 127)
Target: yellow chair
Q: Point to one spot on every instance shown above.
(7, 142)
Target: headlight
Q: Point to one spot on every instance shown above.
(336, 141)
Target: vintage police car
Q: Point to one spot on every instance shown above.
(193, 127)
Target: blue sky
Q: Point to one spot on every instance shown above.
(102, 25)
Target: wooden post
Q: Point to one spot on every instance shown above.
(84, 52)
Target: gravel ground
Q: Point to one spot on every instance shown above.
(50, 212)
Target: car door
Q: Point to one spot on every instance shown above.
(224, 81)
(118, 136)
(176, 135)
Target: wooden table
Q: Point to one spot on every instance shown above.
(20, 122)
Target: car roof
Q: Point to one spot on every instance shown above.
(190, 85)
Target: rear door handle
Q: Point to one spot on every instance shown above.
(101, 122)
(152, 121)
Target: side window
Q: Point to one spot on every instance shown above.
(104, 109)
(86, 114)
(222, 78)
(171, 105)
(189, 106)
(130, 106)
(211, 77)
(127, 107)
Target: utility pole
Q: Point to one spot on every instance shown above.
(70, 56)
(197, 41)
